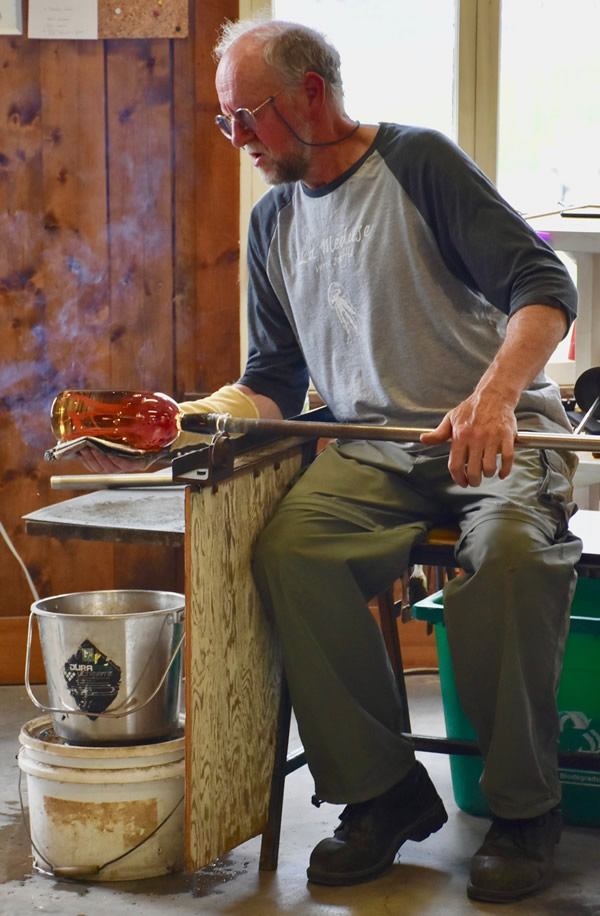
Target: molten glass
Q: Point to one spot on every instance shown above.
(144, 420)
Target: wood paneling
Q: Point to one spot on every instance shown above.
(118, 262)
(217, 220)
(187, 161)
(140, 139)
(21, 302)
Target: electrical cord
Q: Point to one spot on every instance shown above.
(20, 561)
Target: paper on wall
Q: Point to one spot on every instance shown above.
(11, 17)
(63, 19)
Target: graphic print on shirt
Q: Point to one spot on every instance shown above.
(345, 311)
(334, 249)
(418, 289)
(333, 252)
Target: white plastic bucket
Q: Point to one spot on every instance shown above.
(103, 813)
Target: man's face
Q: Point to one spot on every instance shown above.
(245, 81)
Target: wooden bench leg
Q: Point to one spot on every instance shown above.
(389, 630)
(269, 849)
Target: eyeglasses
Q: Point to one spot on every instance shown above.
(244, 117)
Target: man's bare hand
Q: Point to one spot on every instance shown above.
(101, 463)
(482, 432)
(483, 427)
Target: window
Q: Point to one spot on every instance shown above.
(397, 56)
(514, 81)
(549, 118)
(398, 64)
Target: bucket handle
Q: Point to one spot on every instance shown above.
(75, 872)
(124, 707)
(80, 712)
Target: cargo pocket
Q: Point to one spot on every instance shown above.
(556, 489)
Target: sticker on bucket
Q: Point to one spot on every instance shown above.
(578, 732)
(92, 678)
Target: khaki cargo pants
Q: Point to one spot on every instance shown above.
(343, 533)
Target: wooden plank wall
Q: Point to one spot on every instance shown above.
(119, 251)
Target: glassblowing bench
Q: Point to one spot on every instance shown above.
(237, 710)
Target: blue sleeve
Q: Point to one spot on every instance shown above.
(275, 366)
(484, 242)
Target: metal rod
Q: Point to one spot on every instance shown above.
(162, 478)
(588, 416)
(309, 429)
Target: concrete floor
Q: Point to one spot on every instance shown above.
(428, 878)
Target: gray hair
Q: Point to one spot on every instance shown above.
(291, 49)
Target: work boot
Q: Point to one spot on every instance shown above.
(372, 832)
(516, 858)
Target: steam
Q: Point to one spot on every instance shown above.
(55, 306)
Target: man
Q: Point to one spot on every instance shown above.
(385, 267)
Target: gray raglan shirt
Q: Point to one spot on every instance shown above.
(391, 286)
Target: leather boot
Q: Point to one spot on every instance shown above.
(516, 858)
(371, 832)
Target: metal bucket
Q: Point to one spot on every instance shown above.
(113, 664)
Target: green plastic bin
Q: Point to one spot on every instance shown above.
(578, 704)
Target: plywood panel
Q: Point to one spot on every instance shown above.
(233, 665)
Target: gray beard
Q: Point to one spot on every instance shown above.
(293, 168)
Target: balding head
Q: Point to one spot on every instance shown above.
(290, 49)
